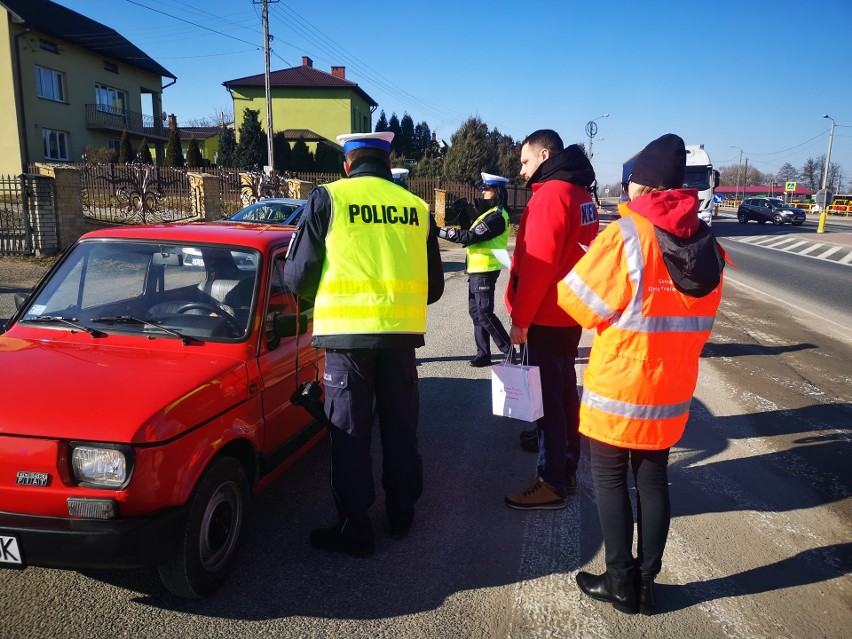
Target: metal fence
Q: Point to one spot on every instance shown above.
(15, 230)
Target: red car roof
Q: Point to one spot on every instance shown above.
(257, 236)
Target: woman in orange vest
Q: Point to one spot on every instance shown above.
(650, 286)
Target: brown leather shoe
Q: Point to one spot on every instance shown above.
(537, 496)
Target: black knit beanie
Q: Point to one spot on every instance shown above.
(661, 164)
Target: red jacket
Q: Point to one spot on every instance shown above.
(559, 221)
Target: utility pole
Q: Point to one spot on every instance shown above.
(269, 152)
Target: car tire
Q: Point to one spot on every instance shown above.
(777, 220)
(742, 218)
(208, 544)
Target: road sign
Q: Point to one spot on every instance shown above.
(790, 187)
(717, 198)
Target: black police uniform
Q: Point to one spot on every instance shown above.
(365, 375)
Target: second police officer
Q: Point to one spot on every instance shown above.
(486, 243)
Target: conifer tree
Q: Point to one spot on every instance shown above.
(125, 149)
(328, 160)
(382, 124)
(303, 159)
(226, 155)
(145, 152)
(283, 154)
(174, 154)
(405, 142)
(193, 153)
(251, 148)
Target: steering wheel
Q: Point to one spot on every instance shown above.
(210, 308)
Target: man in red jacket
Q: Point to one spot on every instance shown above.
(556, 228)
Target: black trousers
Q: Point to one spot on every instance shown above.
(653, 509)
(480, 305)
(554, 350)
(360, 383)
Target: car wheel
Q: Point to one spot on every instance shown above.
(208, 544)
(777, 220)
(742, 218)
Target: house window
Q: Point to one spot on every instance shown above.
(111, 100)
(47, 45)
(50, 84)
(112, 67)
(115, 145)
(55, 144)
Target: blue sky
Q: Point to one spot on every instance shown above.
(757, 74)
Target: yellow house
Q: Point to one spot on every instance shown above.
(68, 82)
(307, 104)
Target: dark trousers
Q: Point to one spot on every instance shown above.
(360, 383)
(480, 305)
(554, 349)
(653, 510)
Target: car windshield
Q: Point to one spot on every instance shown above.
(697, 177)
(187, 290)
(269, 212)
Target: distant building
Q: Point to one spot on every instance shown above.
(67, 82)
(772, 190)
(307, 104)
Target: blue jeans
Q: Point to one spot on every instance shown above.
(554, 349)
(653, 509)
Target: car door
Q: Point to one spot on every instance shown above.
(287, 426)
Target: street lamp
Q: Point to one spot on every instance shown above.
(823, 214)
(737, 192)
(592, 130)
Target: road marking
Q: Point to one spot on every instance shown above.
(772, 242)
(779, 243)
(830, 251)
(811, 249)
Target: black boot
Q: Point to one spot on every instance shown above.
(646, 595)
(621, 593)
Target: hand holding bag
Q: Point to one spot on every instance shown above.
(516, 390)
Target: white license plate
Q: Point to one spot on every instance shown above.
(10, 552)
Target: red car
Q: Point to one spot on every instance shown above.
(149, 383)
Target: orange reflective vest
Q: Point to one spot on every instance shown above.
(643, 366)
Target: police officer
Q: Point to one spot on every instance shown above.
(366, 252)
(400, 176)
(486, 243)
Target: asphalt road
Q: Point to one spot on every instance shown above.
(760, 545)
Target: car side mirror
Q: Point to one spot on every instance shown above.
(715, 179)
(20, 299)
(289, 325)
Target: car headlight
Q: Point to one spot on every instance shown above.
(101, 465)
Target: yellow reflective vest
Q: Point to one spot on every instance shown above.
(643, 366)
(480, 256)
(374, 275)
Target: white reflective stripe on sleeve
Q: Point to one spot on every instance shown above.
(502, 256)
(674, 324)
(634, 411)
(587, 296)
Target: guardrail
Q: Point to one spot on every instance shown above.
(843, 207)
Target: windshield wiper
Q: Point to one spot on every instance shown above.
(69, 321)
(129, 319)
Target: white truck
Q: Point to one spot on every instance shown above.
(700, 175)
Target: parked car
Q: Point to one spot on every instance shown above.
(274, 210)
(145, 399)
(769, 209)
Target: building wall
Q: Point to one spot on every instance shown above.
(328, 112)
(11, 162)
(82, 71)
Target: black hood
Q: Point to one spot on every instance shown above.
(569, 165)
(695, 264)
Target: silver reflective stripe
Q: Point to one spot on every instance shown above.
(632, 318)
(634, 411)
(587, 296)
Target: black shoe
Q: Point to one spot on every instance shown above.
(332, 540)
(529, 440)
(570, 484)
(400, 530)
(646, 594)
(621, 593)
(480, 362)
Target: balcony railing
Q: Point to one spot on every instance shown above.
(101, 116)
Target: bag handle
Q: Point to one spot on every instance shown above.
(524, 355)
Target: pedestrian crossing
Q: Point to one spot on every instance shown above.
(827, 251)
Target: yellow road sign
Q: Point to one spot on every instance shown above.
(789, 186)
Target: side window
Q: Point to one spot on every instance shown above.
(280, 299)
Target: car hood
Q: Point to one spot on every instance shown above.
(104, 393)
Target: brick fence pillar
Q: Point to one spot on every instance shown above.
(67, 201)
(206, 203)
(42, 215)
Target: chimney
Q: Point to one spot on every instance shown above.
(172, 122)
(434, 137)
(307, 62)
(339, 72)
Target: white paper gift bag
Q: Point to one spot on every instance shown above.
(516, 391)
